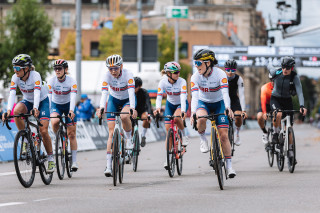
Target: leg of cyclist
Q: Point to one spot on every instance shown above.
(275, 104)
(180, 125)
(71, 129)
(111, 125)
(127, 126)
(18, 109)
(238, 123)
(201, 125)
(145, 126)
(261, 122)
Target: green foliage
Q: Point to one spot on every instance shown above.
(165, 45)
(110, 41)
(68, 48)
(185, 70)
(30, 32)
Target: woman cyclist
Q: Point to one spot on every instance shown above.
(210, 94)
(121, 84)
(176, 89)
(62, 96)
(236, 94)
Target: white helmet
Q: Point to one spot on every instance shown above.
(114, 60)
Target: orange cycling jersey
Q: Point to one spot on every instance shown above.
(266, 91)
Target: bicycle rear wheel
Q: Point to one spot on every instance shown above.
(180, 152)
(280, 154)
(292, 159)
(122, 154)
(217, 157)
(68, 158)
(115, 156)
(136, 150)
(60, 155)
(43, 165)
(231, 137)
(270, 149)
(24, 161)
(170, 153)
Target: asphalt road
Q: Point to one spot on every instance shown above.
(256, 188)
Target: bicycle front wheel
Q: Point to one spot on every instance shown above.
(180, 152)
(217, 157)
(136, 150)
(270, 149)
(115, 156)
(43, 165)
(291, 157)
(60, 155)
(68, 157)
(170, 153)
(24, 159)
(231, 137)
(122, 154)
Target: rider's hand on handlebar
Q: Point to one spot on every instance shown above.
(264, 116)
(230, 113)
(183, 115)
(304, 112)
(135, 114)
(157, 111)
(191, 118)
(36, 112)
(6, 115)
(71, 115)
(244, 114)
(98, 113)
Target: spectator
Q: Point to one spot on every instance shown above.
(85, 108)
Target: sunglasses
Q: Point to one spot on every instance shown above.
(174, 72)
(287, 68)
(230, 70)
(58, 68)
(18, 68)
(113, 69)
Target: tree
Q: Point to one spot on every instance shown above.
(68, 48)
(110, 41)
(29, 31)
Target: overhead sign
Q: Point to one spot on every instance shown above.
(261, 56)
(177, 12)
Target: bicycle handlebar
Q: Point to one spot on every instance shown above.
(101, 113)
(171, 117)
(287, 111)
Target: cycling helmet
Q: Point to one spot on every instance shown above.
(60, 62)
(172, 66)
(287, 61)
(22, 60)
(232, 64)
(114, 60)
(204, 55)
(137, 82)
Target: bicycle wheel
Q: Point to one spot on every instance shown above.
(43, 165)
(115, 156)
(135, 151)
(292, 159)
(170, 153)
(60, 155)
(280, 154)
(24, 163)
(122, 154)
(68, 160)
(180, 152)
(231, 137)
(217, 157)
(270, 149)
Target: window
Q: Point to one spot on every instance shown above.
(227, 17)
(95, 16)
(184, 50)
(94, 49)
(66, 18)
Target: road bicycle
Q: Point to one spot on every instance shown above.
(62, 149)
(270, 146)
(217, 160)
(118, 146)
(28, 152)
(231, 131)
(174, 147)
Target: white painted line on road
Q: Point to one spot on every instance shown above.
(12, 173)
(44, 199)
(11, 204)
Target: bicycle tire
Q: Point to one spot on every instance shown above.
(25, 178)
(292, 160)
(231, 137)
(280, 154)
(170, 153)
(179, 161)
(270, 150)
(60, 155)
(68, 157)
(135, 151)
(115, 160)
(121, 155)
(43, 165)
(217, 158)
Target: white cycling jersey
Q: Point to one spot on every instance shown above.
(62, 92)
(176, 93)
(31, 89)
(211, 89)
(120, 88)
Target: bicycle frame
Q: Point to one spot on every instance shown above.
(214, 126)
(285, 125)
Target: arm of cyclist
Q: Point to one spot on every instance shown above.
(37, 92)
(183, 99)
(225, 93)
(159, 99)
(242, 97)
(50, 91)
(195, 97)
(263, 98)
(104, 95)
(12, 96)
(132, 96)
(298, 86)
(73, 97)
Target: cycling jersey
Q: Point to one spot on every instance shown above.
(236, 87)
(32, 89)
(120, 88)
(265, 96)
(211, 89)
(176, 93)
(63, 92)
(143, 102)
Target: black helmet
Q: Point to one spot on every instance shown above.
(138, 82)
(232, 64)
(204, 55)
(287, 61)
(60, 62)
(22, 60)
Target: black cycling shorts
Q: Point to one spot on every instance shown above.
(267, 106)
(235, 105)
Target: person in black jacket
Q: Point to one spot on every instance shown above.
(143, 107)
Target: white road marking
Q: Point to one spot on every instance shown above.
(44, 199)
(11, 204)
(12, 173)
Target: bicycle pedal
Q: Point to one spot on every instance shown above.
(74, 170)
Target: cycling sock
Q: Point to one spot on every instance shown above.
(183, 132)
(237, 131)
(128, 134)
(228, 161)
(202, 135)
(264, 130)
(50, 156)
(74, 155)
(109, 161)
(277, 129)
(144, 131)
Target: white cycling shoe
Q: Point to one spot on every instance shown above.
(231, 173)
(107, 172)
(185, 141)
(264, 138)
(237, 142)
(204, 145)
(74, 166)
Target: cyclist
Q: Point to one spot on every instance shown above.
(265, 97)
(143, 107)
(210, 94)
(62, 96)
(282, 92)
(236, 94)
(176, 89)
(35, 97)
(122, 98)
